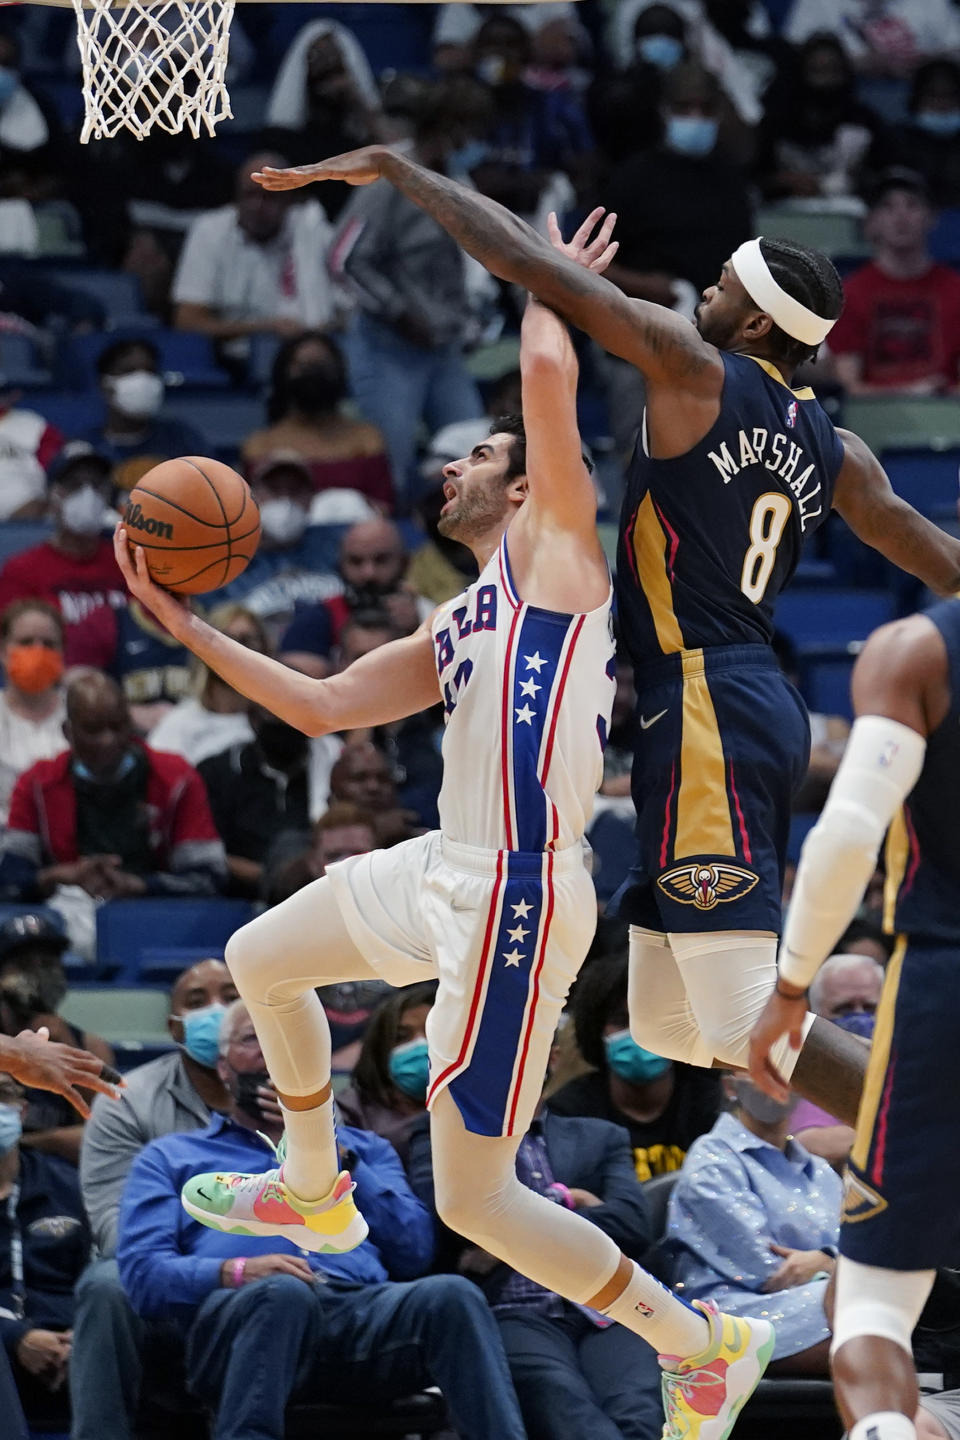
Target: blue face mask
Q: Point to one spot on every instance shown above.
(664, 51)
(410, 1068)
(858, 1022)
(938, 122)
(9, 80)
(83, 772)
(691, 134)
(201, 1034)
(11, 1127)
(630, 1061)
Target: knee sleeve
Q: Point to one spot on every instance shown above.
(882, 1303)
(728, 977)
(661, 1018)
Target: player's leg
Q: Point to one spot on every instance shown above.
(874, 1378)
(728, 976)
(661, 1016)
(275, 963)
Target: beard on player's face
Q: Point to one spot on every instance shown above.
(475, 504)
(718, 325)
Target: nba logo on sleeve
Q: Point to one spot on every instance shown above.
(791, 414)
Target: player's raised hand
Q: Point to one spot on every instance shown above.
(782, 1015)
(43, 1064)
(356, 167)
(594, 254)
(171, 610)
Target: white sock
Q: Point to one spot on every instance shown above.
(884, 1425)
(312, 1162)
(652, 1311)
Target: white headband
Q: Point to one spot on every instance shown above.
(793, 318)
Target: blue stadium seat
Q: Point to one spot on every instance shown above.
(800, 826)
(825, 681)
(224, 420)
(118, 293)
(945, 237)
(832, 615)
(20, 362)
(17, 535)
(186, 358)
(612, 841)
(928, 479)
(263, 352)
(69, 411)
(143, 940)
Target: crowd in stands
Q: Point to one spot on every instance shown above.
(337, 347)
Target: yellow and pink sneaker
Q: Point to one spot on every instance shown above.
(703, 1394)
(263, 1205)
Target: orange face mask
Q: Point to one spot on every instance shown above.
(33, 668)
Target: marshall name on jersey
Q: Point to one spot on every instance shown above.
(527, 695)
(783, 457)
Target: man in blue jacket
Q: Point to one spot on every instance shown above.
(263, 1320)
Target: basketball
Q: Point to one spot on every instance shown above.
(197, 522)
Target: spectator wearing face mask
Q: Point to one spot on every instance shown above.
(107, 819)
(32, 708)
(847, 991)
(280, 780)
(33, 985)
(305, 409)
(290, 565)
(389, 1084)
(133, 435)
(928, 140)
(178, 1092)
(75, 569)
(662, 1105)
(754, 1219)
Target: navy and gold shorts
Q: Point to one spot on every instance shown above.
(902, 1187)
(724, 744)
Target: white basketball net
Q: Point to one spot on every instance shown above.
(153, 62)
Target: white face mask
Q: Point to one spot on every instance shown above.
(283, 520)
(139, 394)
(83, 512)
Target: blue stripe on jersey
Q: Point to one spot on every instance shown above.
(536, 673)
(482, 1090)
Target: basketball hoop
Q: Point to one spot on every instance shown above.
(153, 63)
(159, 63)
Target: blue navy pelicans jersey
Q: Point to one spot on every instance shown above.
(900, 1203)
(923, 858)
(527, 695)
(707, 542)
(710, 538)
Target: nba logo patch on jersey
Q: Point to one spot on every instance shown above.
(707, 886)
(791, 414)
(860, 1200)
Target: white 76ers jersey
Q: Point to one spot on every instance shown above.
(527, 698)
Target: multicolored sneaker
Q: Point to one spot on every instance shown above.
(704, 1394)
(263, 1205)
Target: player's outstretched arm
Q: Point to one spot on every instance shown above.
(880, 518)
(397, 680)
(899, 695)
(663, 345)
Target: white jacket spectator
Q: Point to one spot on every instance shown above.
(27, 445)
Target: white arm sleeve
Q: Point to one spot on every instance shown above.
(880, 767)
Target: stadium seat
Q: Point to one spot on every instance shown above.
(143, 940)
(835, 234)
(224, 420)
(927, 478)
(118, 292)
(611, 839)
(69, 411)
(20, 363)
(825, 680)
(800, 826)
(134, 1018)
(832, 615)
(186, 358)
(17, 535)
(889, 421)
(945, 236)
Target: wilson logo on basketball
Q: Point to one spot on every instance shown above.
(136, 520)
(707, 885)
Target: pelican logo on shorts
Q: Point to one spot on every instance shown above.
(860, 1200)
(707, 886)
(136, 520)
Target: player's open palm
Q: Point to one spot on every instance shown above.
(593, 254)
(171, 610)
(356, 167)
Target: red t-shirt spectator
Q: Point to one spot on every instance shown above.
(903, 331)
(77, 585)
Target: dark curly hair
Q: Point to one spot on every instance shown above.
(601, 990)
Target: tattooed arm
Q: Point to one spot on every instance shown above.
(665, 347)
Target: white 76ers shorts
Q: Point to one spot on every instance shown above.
(503, 931)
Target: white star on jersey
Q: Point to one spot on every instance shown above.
(513, 957)
(521, 910)
(535, 661)
(530, 687)
(525, 716)
(519, 934)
